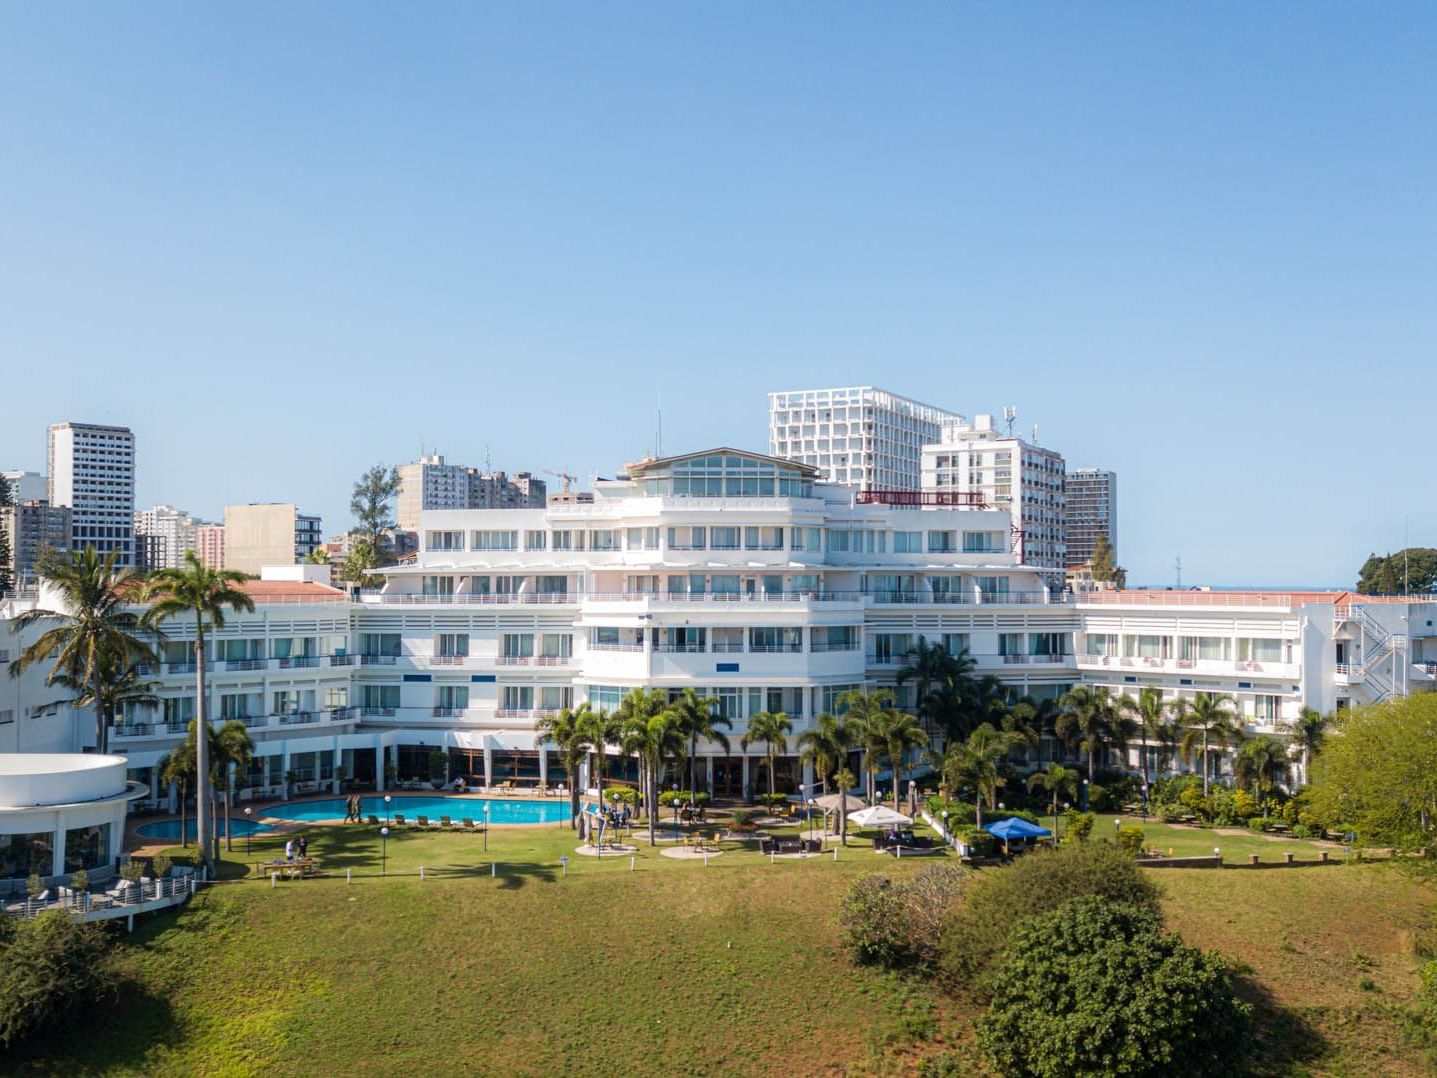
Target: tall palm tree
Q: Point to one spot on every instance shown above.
(1207, 720)
(233, 750)
(568, 731)
(974, 762)
(772, 729)
(205, 593)
(825, 746)
(940, 678)
(865, 712)
(1150, 715)
(1057, 780)
(128, 688)
(95, 637)
(1308, 732)
(601, 729)
(900, 732)
(1260, 763)
(845, 781)
(177, 767)
(699, 717)
(653, 736)
(1089, 721)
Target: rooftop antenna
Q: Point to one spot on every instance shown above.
(488, 462)
(1010, 415)
(1178, 568)
(1035, 434)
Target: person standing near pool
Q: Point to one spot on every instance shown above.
(289, 849)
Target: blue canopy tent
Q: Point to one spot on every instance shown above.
(1015, 828)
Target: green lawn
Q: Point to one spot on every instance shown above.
(1235, 843)
(674, 966)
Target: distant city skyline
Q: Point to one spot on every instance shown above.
(1174, 247)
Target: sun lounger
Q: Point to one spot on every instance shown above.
(444, 823)
(399, 820)
(373, 821)
(423, 824)
(468, 824)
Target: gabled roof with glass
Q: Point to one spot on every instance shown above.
(724, 473)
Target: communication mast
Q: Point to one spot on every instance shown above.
(1010, 416)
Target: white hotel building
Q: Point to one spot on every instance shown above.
(733, 573)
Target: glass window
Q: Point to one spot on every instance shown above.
(908, 542)
(26, 854)
(724, 538)
(535, 540)
(604, 539)
(494, 540)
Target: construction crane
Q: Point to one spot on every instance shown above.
(565, 476)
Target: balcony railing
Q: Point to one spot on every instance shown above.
(413, 599)
(298, 718)
(180, 668)
(341, 660)
(244, 664)
(553, 660)
(448, 712)
(724, 597)
(616, 647)
(514, 660)
(818, 646)
(298, 662)
(761, 649)
(448, 660)
(680, 649)
(378, 660)
(377, 712)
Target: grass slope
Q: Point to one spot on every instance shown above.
(732, 968)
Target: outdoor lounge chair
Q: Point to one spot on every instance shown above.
(444, 823)
(423, 823)
(399, 820)
(373, 821)
(468, 824)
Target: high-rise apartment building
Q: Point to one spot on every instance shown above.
(162, 536)
(1007, 472)
(210, 545)
(32, 527)
(859, 436)
(430, 483)
(269, 534)
(92, 472)
(26, 486)
(1091, 510)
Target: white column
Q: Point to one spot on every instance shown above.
(709, 771)
(57, 847)
(379, 765)
(338, 763)
(488, 765)
(746, 790)
(543, 766)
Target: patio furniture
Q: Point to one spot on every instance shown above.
(423, 823)
(399, 820)
(444, 823)
(468, 824)
(373, 821)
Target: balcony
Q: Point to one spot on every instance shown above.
(377, 712)
(341, 660)
(150, 729)
(299, 718)
(415, 599)
(447, 660)
(180, 668)
(1204, 667)
(377, 660)
(231, 665)
(297, 662)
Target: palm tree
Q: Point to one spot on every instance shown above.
(568, 732)
(1208, 720)
(900, 732)
(1057, 780)
(601, 729)
(1090, 721)
(232, 750)
(699, 717)
(845, 780)
(940, 678)
(206, 593)
(654, 736)
(825, 746)
(974, 762)
(1150, 714)
(128, 688)
(1307, 736)
(772, 729)
(176, 768)
(1260, 763)
(94, 637)
(865, 712)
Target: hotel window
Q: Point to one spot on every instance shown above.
(451, 645)
(535, 540)
(556, 645)
(494, 540)
(837, 637)
(518, 698)
(687, 538)
(444, 540)
(763, 538)
(379, 643)
(982, 542)
(772, 638)
(642, 539)
(566, 539)
(838, 540)
(955, 643)
(517, 646)
(1265, 709)
(830, 697)
(724, 538)
(908, 542)
(727, 641)
(1262, 650)
(452, 697)
(942, 542)
(604, 539)
(1102, 644)
(809, 540)
(555, 697)
(336, 698)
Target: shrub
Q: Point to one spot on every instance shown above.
(163, 864)
(1191, 798)
(980, 843)
(979, 928)
(744, 818)
(1100, 799)
(34, 885)
(1077, 826)
(895, 924)
(132, 870)
(1094, 988)
(1302, 830)
(623, 794)
(1169, 791)
(52, 969)
(1171, 812)
(669, 797)
(1130, 840)
(772, 800)
(1244, 804)
(80, 881)
(1257, 823)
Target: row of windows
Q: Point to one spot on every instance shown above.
(728, 537)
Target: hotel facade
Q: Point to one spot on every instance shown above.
(739, 575)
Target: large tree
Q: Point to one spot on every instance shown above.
(772, 729)
(651, 732)
(1089, 722)
(204, 594)
(95, 638)
(372, 504)
(1104, 568)
(1410, 570)
(699, 717)
(1208, 720)
(1150, 716)
(974, 762)
(568, 731)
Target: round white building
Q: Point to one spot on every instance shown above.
(60, 813)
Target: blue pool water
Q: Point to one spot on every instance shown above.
(501, 810)
(171, 828)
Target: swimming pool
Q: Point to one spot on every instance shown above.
(171, 828)
(501, 810)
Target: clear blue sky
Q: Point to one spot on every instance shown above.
(283, 242)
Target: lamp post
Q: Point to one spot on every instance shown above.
(486, 826)
(248, 829)
(387, 799)
(946, 836)
(1085, 795)
(1145, 802)
(384, 851)
(1067, 807)
(674, 789)
(812, 804)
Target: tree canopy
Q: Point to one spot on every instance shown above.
(372, 503)
(1104, 565)
(1413, 569)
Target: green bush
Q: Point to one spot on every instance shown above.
(1130, 840)
(52, 970)
(1101, 799)
(772, 800)
(668, 797)
(1257, 823)
(1302, 830)
(1169, 791)
(744, 817)
(625, 795)
(899, 923)
(1077, 826)
(163, 864)
(131, 871)
(80, 881)
(976, 932)
(34, 885)
(1095, 988)
(1245, 805)
(1171, 812)
(980, 843)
